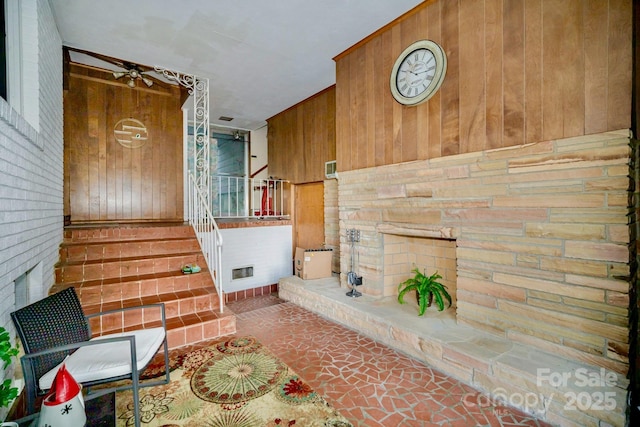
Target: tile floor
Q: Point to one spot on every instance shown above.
(369, 383)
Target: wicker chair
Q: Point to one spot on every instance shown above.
(55, 329)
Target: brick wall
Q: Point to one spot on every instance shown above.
(31, 171)
(541, 238)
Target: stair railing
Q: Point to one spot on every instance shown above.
(243, 197)
(208, 234)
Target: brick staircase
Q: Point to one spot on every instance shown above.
(124, 266)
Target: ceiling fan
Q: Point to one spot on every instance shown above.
(133, 72)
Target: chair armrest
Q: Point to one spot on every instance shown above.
(159, 305)
(76, 345)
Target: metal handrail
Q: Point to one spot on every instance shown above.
(243, 197)
(208, 235)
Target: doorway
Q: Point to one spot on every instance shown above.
(309, 216)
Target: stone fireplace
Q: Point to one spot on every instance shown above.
(405, 253)
(533, 240)
(539, 232)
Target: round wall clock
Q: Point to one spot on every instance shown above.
(418, 72)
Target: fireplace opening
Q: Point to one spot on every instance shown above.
(402, 254)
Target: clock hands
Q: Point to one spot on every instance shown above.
(413, 66)
(409, 71)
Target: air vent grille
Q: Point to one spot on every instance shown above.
(242, 272)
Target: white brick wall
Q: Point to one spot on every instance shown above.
(31, 161)
(30, 58)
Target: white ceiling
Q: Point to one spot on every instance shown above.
(261, 57)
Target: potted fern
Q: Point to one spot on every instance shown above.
(7, 351)
(427, 290)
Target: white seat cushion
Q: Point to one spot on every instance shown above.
(95, 362)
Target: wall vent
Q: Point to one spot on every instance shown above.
(242, 272)
(330, 169)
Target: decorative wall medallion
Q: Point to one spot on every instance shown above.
(130, 133)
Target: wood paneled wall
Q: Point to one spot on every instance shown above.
(519, 71)
(302, 138)
(105, 181)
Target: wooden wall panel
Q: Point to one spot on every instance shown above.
(433, 110)
(450, 91)
(302, 138)
(619, 58)
(409, 116)
(105, 181)
(595, 68)
(472, 112)
(519, 71)
(494, 77)
(533, 67)
(359, 108)
(342, 119)
(511, 77)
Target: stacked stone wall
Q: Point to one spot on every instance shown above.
(541, 232)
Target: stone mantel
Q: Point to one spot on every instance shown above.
(418, 230)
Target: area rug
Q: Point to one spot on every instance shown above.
(237, 382)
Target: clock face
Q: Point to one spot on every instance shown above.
(418, 73)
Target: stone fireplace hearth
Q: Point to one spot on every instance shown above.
(515, 374)
(541, 240)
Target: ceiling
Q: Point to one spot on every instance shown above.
(261, 57)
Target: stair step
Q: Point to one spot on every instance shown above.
(176, 303)
(125, 267)
(119, 267)
(127, 233)
(198, 329)
(191, 316)
(112, 289)
(88, 251)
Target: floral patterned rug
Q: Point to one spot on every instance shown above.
(236, 383)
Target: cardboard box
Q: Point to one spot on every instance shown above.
(313, 263)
